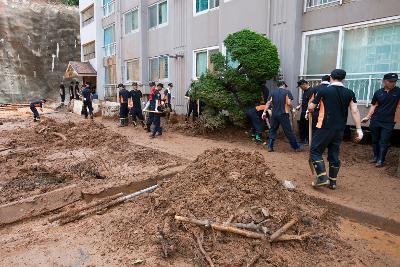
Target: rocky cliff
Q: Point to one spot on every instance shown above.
(37, 39)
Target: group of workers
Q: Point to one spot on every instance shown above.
(157, 106)
(323, 119)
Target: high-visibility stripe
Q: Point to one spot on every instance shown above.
(321, 174)
(260, 107)
(321, 115)
(333, 179)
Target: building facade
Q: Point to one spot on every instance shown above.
(172, 40)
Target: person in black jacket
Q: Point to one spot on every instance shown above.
(36, 104)
(71, 92)
(136, 110)
(325, 82)
(303, 124)
(62, 93)
(124, 97)
(76, 92)
(87, 101)
(156, 102)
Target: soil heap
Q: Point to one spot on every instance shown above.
(222, 185)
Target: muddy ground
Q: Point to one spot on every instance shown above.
(98, 156)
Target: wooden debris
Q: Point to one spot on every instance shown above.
(203, 251)
(283, 229)
(75, 211)
(221, 227)
(60, 135)
(5, 149)
(292, 237)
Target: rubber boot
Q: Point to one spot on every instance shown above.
(375, 148)
(258, 138)
(270, 145)
(159, 132)
(134, 123)
(297, 147)
(143, 124)
(122, 122)
(148, 128)
(322, 179)
(382, 155)
(91, 116)
(333, 173)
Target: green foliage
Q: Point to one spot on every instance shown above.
(71, 2)
(237, 89)
(211, 120)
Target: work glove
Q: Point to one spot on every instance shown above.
(264, 116)
(307, 114)
(360, 135)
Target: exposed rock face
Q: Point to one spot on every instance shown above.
(37, 39)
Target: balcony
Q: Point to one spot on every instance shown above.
(109, 50)
(364, 85)
(109, 9)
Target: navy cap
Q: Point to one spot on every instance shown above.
(301, 82)
(326, 78)
(152, 84)
(393, 77)
(338, 74)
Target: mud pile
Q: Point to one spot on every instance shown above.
(220, 186)
(53, 154)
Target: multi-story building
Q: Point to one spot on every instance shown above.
(172, 40)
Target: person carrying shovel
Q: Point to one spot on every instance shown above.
(37, 104)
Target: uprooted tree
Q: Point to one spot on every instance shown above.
(234, 83)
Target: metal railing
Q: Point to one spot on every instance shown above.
(89, 56)
(87, 21)
(317, 3)
(364, 85)
(110, 49)
(109, 9)
(110, 92)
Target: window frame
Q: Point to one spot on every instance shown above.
(124, 21)
(158, 15)
(84, 23)
(307, 8)
(83, 49)
(126, 69)
(158, 67)
(195, 14)
(200, 50)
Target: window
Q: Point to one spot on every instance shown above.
(89, 51)
(108, 7)
(109, 41)
(321, 52)
(132, 70)
(88, 16)
(202, 59)
(158, 68)
(315, 3)
(366, 51)
(204, 5)
(131, 21)
(158, 14)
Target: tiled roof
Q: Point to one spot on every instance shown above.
(82, 68)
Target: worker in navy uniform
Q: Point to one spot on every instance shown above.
(150, 115)
(124, 97)
(334, 102)
(169, 96)
(136, 110)
(303, 124)
(325, 81)
(265, 93)
(76, 91)
(37, 104)
(281, 101)
(62, 93)
(87, 101)
(71, 92)
(383, 114)
(254, 115)
(157, 104)
(191, 104)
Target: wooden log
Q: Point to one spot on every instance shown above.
(75, 211)
(107, 205)
(283, 229)
(221, 227)
(5, 149)
(203, 251)
(284, 237)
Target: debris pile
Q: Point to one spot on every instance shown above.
(228, 209)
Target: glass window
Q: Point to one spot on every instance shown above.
(109, 35)
(163, 67)
(321, 53)
(132, 70)
(210, 53)
(131, 21)
(201, 63)
(214, 3)
(313, 3)
(201, 5)
(153, 16)
(153, 69)
(163, 13)
(372, 49)
(88, 15)
(89, 51)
